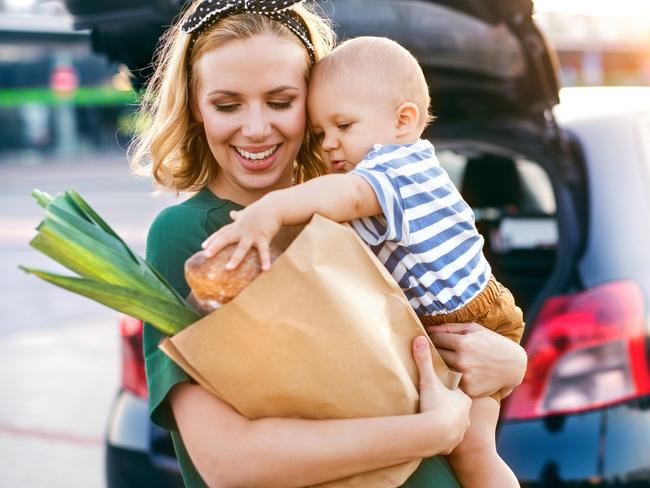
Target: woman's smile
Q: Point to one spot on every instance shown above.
(257, 159)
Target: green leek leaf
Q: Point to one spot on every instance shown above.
(74, 235)
(166, 316)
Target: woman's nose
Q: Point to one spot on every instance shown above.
(257, 125)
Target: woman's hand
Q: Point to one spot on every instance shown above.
(488, 361)
(436, 400)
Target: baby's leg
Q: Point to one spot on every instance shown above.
(475, 461)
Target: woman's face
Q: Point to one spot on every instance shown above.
(250, 98)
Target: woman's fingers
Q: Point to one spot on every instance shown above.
(450, 358)
(444, 340)
(461, 328)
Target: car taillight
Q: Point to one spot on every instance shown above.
(586, 350)
(133, 375)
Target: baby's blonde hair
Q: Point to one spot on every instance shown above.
(173, 147)
(382, 64)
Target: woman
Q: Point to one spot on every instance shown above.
(227, 105)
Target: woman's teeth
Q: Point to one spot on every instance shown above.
(257, 156)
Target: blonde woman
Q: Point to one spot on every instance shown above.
(227, 119)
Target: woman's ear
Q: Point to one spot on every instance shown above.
(407, 118)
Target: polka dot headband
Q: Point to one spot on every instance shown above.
(210, 11)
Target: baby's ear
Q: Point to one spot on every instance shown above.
(407, 118)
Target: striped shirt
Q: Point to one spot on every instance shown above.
(426, 237)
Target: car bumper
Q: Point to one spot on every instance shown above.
(138, 454)
(604, 448)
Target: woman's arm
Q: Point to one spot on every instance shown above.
(489, 362)
(230, 450)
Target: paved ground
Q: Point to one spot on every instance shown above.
(59, 364)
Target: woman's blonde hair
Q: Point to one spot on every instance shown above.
(172, 146)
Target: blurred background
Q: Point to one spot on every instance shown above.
(65, 121)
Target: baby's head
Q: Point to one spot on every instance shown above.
(369, 90)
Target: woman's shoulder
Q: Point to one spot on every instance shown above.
(188, 218)
(193, 207)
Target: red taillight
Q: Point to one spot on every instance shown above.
(133, 376)
(586, 351)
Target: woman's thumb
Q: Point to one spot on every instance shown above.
(422, 356)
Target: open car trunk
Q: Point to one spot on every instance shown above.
(481, 57)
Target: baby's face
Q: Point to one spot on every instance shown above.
(349, 119)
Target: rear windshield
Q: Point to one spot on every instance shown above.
(515, 211)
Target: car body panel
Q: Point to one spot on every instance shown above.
(606, 447)
(128, 426)
(627, 163)
(138, 453)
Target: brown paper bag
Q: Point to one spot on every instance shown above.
(325, 334)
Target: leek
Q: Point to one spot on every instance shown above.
(107, 270)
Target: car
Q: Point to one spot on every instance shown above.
(559, 183)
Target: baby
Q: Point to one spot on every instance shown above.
(369, 104)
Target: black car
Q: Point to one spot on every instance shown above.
(560, 195)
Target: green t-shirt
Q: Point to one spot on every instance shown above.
(176, 234)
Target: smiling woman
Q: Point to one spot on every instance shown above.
(228, 106)
(253, 114)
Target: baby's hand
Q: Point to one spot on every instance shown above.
(251, 227)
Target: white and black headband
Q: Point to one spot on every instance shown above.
(210, 11)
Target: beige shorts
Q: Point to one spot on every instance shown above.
(493, 308)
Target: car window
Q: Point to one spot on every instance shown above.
(515, 211)
(513, 185)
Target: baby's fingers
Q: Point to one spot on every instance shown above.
(265, 255)
(217, 241)
(239, 253)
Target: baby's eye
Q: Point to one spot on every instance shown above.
(344, 125)
(226, 107)
(284, 105)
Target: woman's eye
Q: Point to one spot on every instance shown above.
(280, 105)
(344, 126)
(230, 107)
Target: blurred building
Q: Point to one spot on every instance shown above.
(55, 94)
(599, 42)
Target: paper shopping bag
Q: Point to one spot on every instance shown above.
(326, 333)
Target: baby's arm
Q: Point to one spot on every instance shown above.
(338, 197)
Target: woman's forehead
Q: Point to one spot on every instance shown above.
(261, 63)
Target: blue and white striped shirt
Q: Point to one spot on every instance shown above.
(426, 237)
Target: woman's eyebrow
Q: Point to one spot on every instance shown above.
(274, 91)
(223, 92)
(282, 88)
